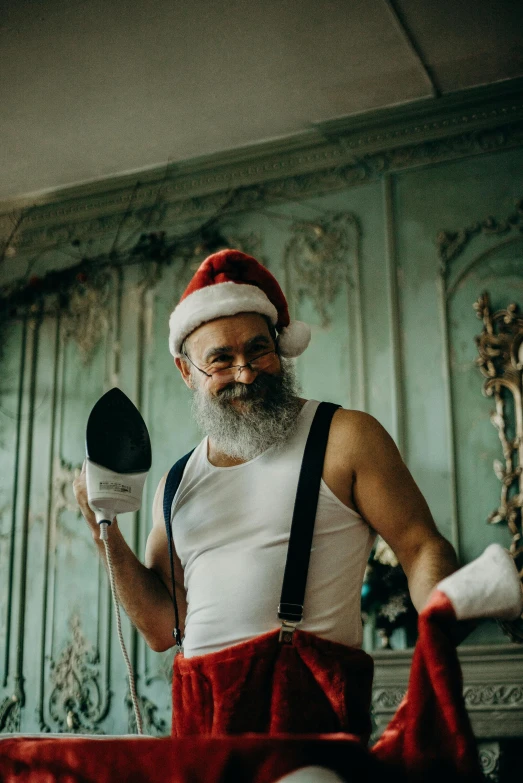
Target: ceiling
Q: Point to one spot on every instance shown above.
(94, 88)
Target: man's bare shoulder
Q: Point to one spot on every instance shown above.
(358, 429)
(357, 440)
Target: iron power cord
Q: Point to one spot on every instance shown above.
(104, 524)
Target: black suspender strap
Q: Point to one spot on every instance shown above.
(172, 483)
(290, 610)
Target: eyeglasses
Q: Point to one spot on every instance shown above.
(233, 371)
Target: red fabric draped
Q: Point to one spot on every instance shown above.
(430, 736)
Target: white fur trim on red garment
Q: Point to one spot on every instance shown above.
(487, 587)
(215, 301)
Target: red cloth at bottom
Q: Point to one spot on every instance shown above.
(245, 759)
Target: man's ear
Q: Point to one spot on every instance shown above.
(184, 370)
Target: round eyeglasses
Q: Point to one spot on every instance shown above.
(232, 372)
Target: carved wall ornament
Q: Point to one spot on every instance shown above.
(76, 703)
(63, 499)
(320, 258)
(387, 699)
(489, 759)
(82, 292)
(10, 714)
(86, 318)
(64, 474)
(508, 696)
(452, 243)
(500, 360)
(153, 723)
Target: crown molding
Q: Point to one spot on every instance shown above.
(328, 156)
(429, 118)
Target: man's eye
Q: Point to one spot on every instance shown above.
(257, 351)
(221, 360)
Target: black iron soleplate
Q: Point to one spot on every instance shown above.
(116, 436)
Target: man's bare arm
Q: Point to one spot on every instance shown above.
(141, 589)
(389, 500)
(157, 558)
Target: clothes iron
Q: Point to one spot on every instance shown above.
(118, 456)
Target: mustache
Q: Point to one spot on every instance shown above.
(252, 391)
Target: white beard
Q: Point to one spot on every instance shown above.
(267, 416)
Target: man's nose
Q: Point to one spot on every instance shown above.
(246, 374)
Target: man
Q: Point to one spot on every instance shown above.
(231, 338)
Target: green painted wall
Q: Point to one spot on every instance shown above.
(362, 265)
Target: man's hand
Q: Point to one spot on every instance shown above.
(141, 588)
(80, 493)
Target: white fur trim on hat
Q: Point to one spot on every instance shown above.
(215, 301)
(294, 339)
(487, 587)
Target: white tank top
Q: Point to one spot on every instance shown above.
(231, 532)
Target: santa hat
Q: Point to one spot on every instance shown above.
(230, 282)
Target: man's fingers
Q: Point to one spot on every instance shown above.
(80, 493)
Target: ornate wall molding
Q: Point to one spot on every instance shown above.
(330, 156)
(451, 244)
(493, 687)
(9, 623)
(387, 699)
(321, 258)
(476, 697)
(86, 318)
(153, 724)
(479, 696)
(489, 759)
(76, 703)
(500, 363)
(10, 714)
(500, 360)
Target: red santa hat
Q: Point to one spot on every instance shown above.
(230, 282)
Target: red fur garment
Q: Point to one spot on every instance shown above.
(430, 736)
(311, 686)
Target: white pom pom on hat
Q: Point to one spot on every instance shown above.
(294, 339)
(230, 282)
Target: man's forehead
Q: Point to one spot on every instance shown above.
(233, 330)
